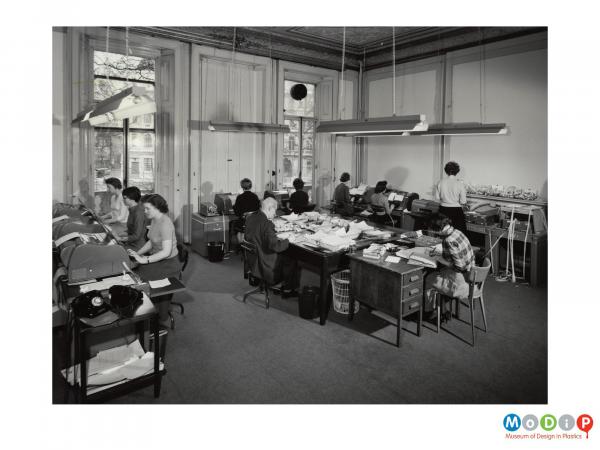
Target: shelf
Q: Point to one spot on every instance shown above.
(509, 200)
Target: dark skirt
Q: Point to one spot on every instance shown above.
(457, 215)
(158, 270)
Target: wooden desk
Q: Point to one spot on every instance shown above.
(393, 288)
(324, 263)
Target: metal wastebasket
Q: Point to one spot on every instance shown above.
(216, 251)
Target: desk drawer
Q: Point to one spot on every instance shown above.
(412, 277)
(412, 290)
(411, 305)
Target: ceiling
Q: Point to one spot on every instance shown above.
(322, 46)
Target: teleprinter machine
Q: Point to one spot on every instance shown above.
(88, 261)
(423, 206)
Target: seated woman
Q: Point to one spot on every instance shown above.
(341, 196)
(298, 199)
(379, 200)
(118, 210)
(162, 261)
(135, 235)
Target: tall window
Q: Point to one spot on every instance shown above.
(120, 146)
(298, 144)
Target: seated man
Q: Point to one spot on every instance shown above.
(458, 259)
(275, 267)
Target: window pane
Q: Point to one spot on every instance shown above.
(104, 89)
(308, 142)
(291, 152)
(117, 65)
(108, 157)
(304, 107)
(141, 146)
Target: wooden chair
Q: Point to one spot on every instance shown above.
(184, 256)
(476, 279)
(252, 267)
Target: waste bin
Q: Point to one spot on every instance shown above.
(307, 302)
(216, 251)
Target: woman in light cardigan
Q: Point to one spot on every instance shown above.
(118, 208)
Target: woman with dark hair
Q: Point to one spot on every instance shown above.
(134, 236)
(452, 194)
(298, 199)
(161, 261)
(457, 258)
(247, 201)
(379, 200)
(341, 196)
(118, 210)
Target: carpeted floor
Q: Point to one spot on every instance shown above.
(225, 351)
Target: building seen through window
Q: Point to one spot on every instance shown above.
(298, 144)
(115, 156)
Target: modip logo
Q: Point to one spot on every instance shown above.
(512, 422)
(547, 427)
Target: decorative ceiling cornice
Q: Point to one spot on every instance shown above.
(322, 46)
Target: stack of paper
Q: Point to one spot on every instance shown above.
(418, 256)
(114, 365)
(291, 217)
(360, 190)
(375, 251)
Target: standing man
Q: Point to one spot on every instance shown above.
(452, 194)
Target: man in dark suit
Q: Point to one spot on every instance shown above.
(275, 267)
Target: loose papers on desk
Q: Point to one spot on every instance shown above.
(122, 280)
(418, 256)
(360, 190)
(291, 217)
(155, 284)
(374, 251)
(114, 365)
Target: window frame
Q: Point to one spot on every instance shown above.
(302, 119)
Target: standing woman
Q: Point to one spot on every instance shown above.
(118, 209)
(158, 257)
(452, 195)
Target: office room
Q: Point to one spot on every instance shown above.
(346, 213)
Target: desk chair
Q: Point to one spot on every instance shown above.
(476, 279)
(333, 205)
(381, 218)
(253, 267)
(184, 256)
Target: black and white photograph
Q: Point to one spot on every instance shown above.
(287, 225)
(300, 214)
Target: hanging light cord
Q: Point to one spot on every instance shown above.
(341, 106)
(106, 58)
(480, 77)
(127, 54)
(394, 71)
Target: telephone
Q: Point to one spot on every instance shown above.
(89, 305)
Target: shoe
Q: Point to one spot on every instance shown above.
(289, 294)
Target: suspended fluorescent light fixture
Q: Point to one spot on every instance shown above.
(376, 126)
(247, 127)
(462, 128)
(131, 102)
(394, 125)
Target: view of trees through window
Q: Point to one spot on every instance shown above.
(115, 156)
(298, 144)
